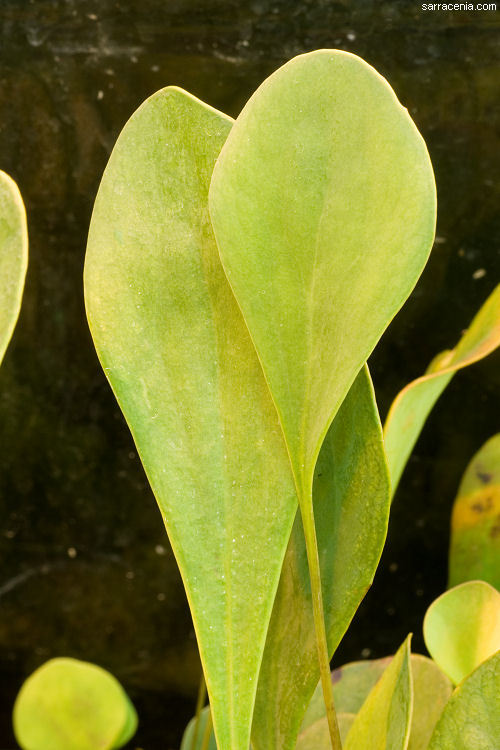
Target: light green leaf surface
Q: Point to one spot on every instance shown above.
(462, 628)
(475, 520)
(176, 351)
(353, 682)
(323, 206)
(188, 736)
(68, 704)
(431, 691)
(351, 505)
(471, 719)
(317, 737)
(383, 722)
(413, 404)
(13, 257)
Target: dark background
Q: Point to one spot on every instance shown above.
(85, 566)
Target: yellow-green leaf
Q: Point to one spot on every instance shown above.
(177, 353)
(383, 722)
(413, 404)
(317, 737)
(68, 704)
(323, 206)
(353, 682)
(475, 520)
(351, 505)
(462, 628)
(189, 733)
(13, 257)
(471, 719)
(431, 691)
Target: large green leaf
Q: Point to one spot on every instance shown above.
(471, 719)
(323, 206)
(176, 351)
(475, 521)
(412, 405)
(351, 505)
(383, 722)
(353, 682)
(68, 704)
(462, 628)
(13, 257)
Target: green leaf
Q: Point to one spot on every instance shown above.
(323, 206)
(431, 691)
(177, 353)
(462, 628)
(187, 737)
(13, 257)
(353, 682)
(471, 719)
(475, 521)
(383, 722)
(351, 504)
(317, 736)
(413, 404)
(68, 704)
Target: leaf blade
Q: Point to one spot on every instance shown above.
(475, 520)
(383, 722)
(312, 170)
(462, 628)
(471, 719)
(351, 505)
(176, 351)
(412, 406)
(13, 257)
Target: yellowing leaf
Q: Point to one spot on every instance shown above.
(475, 521)
(462, 628)
(413, 404)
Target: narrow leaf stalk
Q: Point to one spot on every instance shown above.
(200, 702)
(307, 513)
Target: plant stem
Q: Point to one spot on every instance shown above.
(307, 512)
(207, 732)
(200, 702)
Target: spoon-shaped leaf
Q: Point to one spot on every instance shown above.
(13, 257)
(351, 505)
(475, 521)
(383, 722)
(323, 206)
(471, 719)
(353, 682)
(413, 404)
(68, 704)
(177, 353)
(462, 628)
